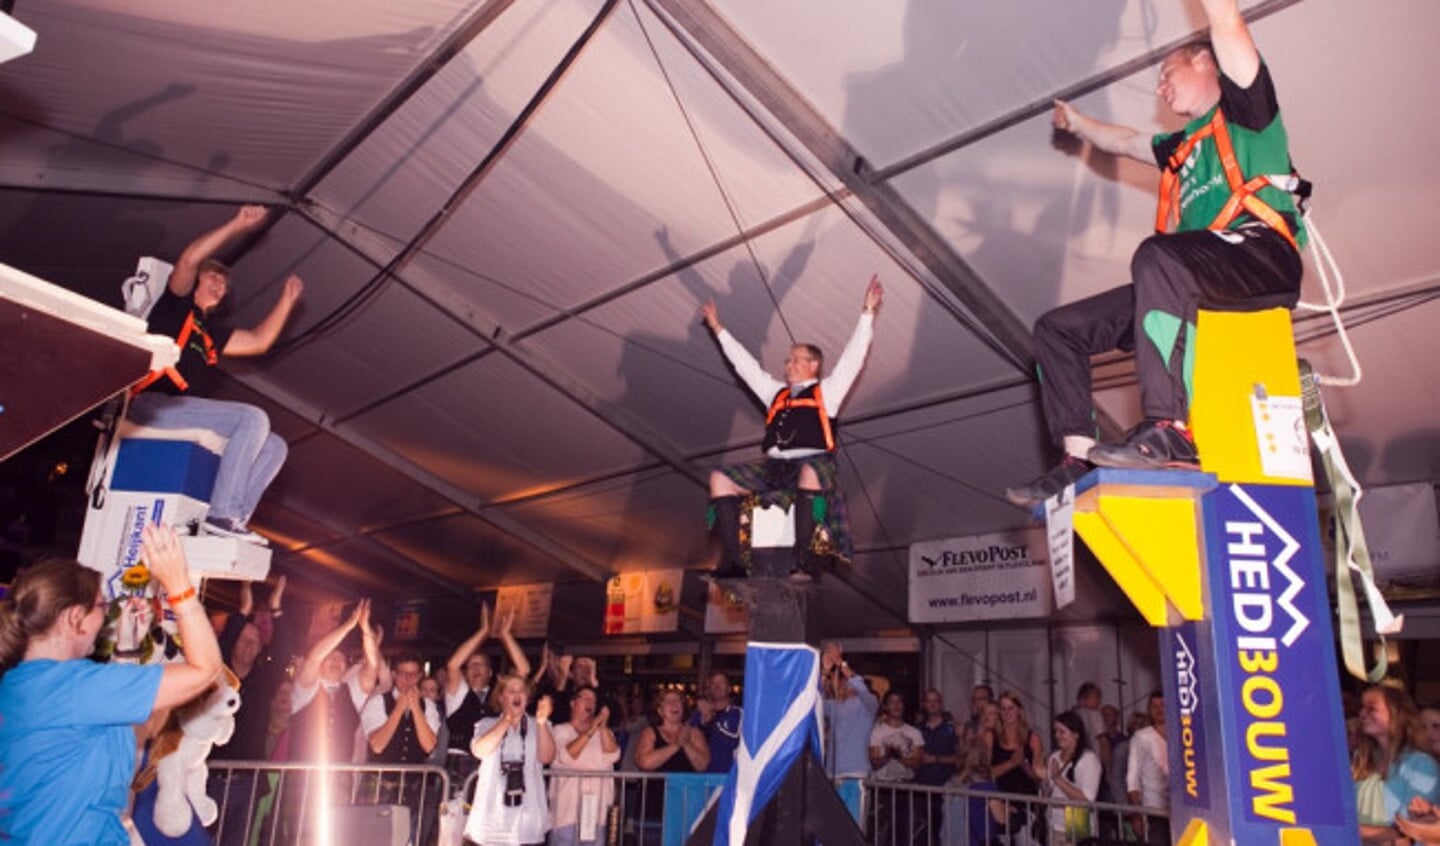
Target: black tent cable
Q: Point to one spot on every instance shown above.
(380, 281)
(710, 166)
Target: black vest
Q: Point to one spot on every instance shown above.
(404, 746)
(325, 729)
(462, 723)
(797, 427)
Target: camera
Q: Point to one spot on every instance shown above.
(514, 782)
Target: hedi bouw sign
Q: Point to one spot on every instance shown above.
(1002, 575)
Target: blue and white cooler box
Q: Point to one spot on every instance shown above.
(163, 476)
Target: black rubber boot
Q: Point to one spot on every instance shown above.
(809, 511)
(725, 523)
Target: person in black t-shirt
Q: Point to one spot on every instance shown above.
(173, 398)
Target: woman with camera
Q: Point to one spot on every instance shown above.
(510, 806)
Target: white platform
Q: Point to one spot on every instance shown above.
(226, 558)
(34, 292)
(16, 39)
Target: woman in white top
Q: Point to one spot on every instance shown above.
(1073, 773)
(510, 806)
(580, 804)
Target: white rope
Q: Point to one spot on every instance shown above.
(1334, 297)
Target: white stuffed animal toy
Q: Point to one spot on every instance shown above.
(200, 724)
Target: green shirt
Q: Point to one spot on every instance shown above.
(1261, 148)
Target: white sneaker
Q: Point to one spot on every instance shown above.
(226, 528)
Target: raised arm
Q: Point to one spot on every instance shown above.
(309, 673)
(507, 637)
(370, 649)
(455, 667)
(182, 278)
(181, 682)
(544, 740)
(1234, 49)
(847, 367)
(247, 600)
(258, 339)
(1112, 138)
(760, 383)
(544, 664)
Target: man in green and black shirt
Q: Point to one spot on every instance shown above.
(1250, 258)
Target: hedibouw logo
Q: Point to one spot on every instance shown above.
(1263, 587)
(1192, 730)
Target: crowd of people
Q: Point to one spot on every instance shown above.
(68, 750)
(997, 750)
(343, 700)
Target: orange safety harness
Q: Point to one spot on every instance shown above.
(816, 401)
(1242, 191)
(186, 331)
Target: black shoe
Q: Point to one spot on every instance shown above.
(1052, 482)
(1152, 445)
(225, 527)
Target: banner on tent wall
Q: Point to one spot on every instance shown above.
(407, 620)
(643, 601)
(726, 613)
(1002, 575)
(531, 604)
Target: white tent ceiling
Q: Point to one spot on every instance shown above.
(509, 213)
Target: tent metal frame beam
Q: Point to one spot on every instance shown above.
(712, 41)
(140, 196)
(1045, 104)
(453, 45)
(460, 308)
(426, 479)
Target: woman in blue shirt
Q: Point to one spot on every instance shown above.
(67, 744)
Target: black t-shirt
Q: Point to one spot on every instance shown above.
(195, 364)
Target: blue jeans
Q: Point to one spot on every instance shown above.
(251, 459)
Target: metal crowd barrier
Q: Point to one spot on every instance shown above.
(646, 809)
(917, 815)
(264, 803)
(270, 804)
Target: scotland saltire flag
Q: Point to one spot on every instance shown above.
(781, 716)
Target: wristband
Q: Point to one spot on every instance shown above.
(181, 597)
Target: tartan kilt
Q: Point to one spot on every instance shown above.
(774, 481)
